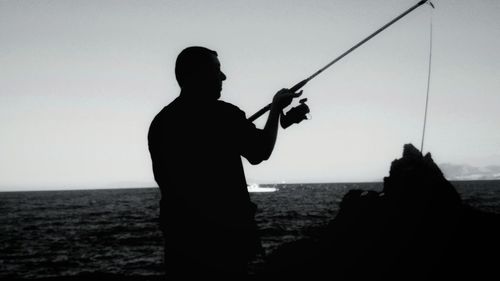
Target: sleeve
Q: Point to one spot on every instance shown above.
(249, 140)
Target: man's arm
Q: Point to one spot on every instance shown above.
(281, 100)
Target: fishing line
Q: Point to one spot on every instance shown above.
(428, 80)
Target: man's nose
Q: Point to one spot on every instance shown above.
(223, 76)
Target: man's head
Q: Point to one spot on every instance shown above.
(197, 70)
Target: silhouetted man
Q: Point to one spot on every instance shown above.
(196, 143)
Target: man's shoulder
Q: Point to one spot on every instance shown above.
(160, 115)
(229, 108)
(163, 116)
(167, 110)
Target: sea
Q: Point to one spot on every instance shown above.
(47, 234)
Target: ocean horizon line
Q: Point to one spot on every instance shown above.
(42, 189)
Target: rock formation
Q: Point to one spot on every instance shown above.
(417, 228)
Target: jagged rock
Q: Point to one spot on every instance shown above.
(417, 228)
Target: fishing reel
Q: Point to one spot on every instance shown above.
(295, 115)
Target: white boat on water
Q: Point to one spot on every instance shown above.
(255, 187)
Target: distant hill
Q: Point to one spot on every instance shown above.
(468, 172)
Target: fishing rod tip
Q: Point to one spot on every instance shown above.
(430, 3)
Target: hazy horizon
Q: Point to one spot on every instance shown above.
(80, 82)
(452, 173)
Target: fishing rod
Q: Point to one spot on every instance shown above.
(302, 83)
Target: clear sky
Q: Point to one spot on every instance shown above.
(80, 81)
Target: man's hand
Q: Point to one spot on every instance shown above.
(284, 97)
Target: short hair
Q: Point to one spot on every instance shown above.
(190, 61)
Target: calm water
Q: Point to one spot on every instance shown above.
(63, 233)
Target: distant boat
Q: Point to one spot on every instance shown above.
(255, 187)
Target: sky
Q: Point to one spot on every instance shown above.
(80, 82)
